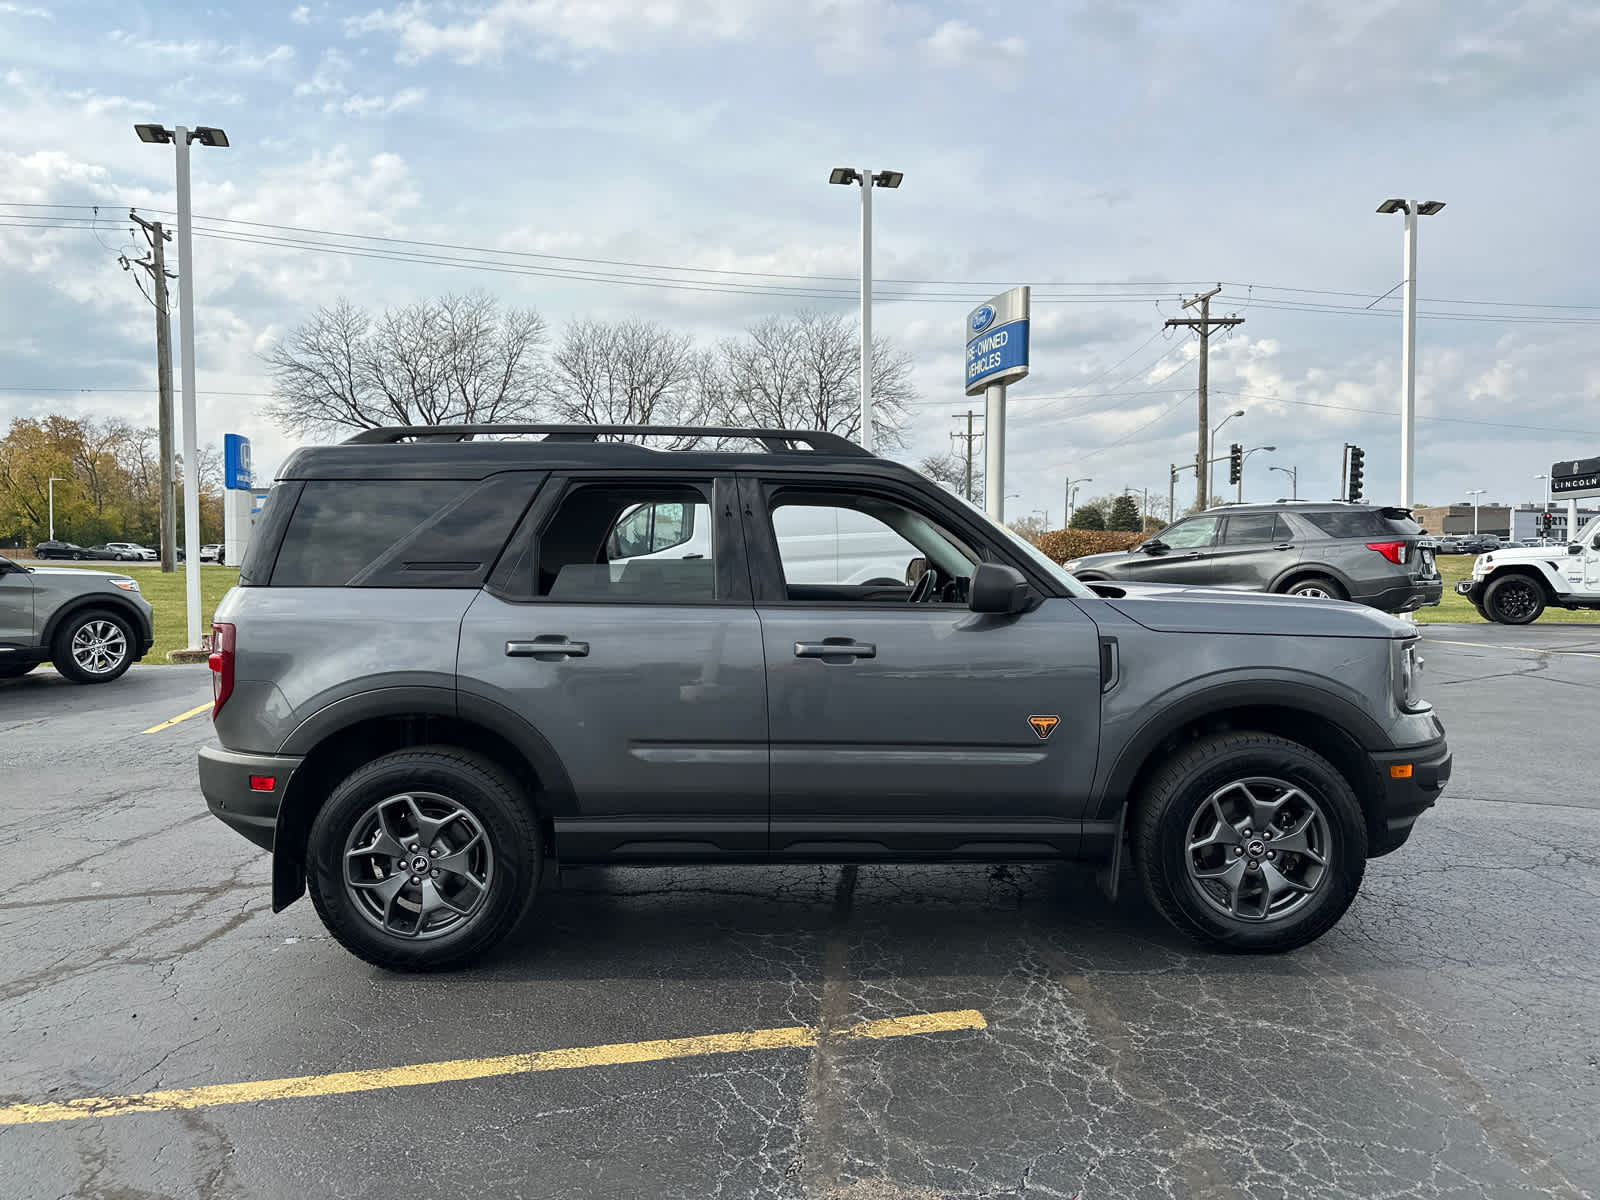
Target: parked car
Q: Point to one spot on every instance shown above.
(582, 684)
(133, 552)
(117, 552)
(1513, 586)
(211, 553)
(92, 625)
(1367, 553)
(55, 549)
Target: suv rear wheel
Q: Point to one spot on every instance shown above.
(1250, 842)
(1513, 600)
(1316, 586)
(424, 859)
(93, 647)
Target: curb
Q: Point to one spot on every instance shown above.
(188, 656)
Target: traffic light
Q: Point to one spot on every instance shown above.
(1357, 457)
(1235, 463)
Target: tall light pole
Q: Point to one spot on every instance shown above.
(1540, 522)
(868, 180)
(180, 137)
(51, 488)
(1294, 480)
(1408, 338)
(1072, 494)
(1211, 447)
(1243, 458)
(1475, 493)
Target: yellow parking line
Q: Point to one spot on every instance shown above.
(193, 712)
(343, 1082)
(1524, 649)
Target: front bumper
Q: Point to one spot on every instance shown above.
(225, 781)
(1408, 796)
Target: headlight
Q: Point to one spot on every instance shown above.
(1410, 680)
(1072, 564)
(127, 585)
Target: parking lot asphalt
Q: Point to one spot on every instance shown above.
(716, 1025)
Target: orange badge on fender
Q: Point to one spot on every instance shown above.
(1044, 726)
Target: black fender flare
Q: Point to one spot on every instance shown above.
(557, 797)
(1343, 716)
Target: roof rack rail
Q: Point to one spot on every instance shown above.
(777, 441)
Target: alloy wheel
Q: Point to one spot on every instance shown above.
(99, 646)
(1258, 849)
(418, 865)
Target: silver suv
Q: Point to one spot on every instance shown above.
(92, 625)
(451, 661)
(1362, 552)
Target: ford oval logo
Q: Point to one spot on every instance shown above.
(983, 318)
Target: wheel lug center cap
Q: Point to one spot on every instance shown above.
(420, 864)
(1255, 848)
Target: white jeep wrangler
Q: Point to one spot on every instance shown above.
(1514, 586)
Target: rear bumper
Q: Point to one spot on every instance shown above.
(1405, 597)
(1406, 798)
(225, 777)
(1472, 590)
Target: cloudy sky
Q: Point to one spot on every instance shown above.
(1115, 154)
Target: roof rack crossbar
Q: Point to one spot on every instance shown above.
(776, 441)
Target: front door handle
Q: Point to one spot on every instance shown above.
(1284, 546)
(835, 650)
(548, 647)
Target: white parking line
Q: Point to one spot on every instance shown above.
(1524, 649)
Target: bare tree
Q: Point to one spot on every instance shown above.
(951, 470)
(458, 359)
(629, 373)
(803, 372)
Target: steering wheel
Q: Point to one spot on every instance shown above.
(925, 587)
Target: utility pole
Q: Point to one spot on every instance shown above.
(967, 437)
(1203, 324)
(156, 266)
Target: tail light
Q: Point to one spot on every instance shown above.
(221, 661)
(1395, 552)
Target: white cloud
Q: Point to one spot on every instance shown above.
(301, 15)
(328, 79)
(205, 52)
(367, 106)
(24, 10)
(957, 44)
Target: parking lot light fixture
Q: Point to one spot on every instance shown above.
(868, 180)
(1243, 458)
(180, 137)
(1475, 493)
(1408, 337)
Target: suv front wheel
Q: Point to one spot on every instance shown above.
(93, 647)
(1250, 842)
(424, 859)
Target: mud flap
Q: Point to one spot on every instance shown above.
(1110, 871)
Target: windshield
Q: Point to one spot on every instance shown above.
(1586, 534)
(1023, 546)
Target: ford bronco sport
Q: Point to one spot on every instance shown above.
(457, 654)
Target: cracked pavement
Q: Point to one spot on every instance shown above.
(1442, 1041)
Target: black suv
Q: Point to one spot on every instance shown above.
(1370, 554)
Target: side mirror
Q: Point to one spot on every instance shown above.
(997, 589)
(1154, 546)
(1574, 548)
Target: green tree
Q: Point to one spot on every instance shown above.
(1124, 514)
(1088, 516)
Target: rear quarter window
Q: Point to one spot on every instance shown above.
(399, 532)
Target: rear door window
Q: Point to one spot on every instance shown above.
(1253, 528)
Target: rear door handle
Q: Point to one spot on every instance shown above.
(835, 650)
(548, 647)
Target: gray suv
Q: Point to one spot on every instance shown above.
(1361, 552)
(92, 625)
(452, 661)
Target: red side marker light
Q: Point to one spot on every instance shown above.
(263, 783)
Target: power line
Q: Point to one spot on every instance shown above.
(1394, 412)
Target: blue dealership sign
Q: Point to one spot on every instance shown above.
(997, 341)
(236, 462)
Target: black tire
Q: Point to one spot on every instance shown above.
(1180, 797)
(1514, 600)
(502, 814)
(71, 653)
(15, 670)
(1317, 585)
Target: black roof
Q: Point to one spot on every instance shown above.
(475, 451)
